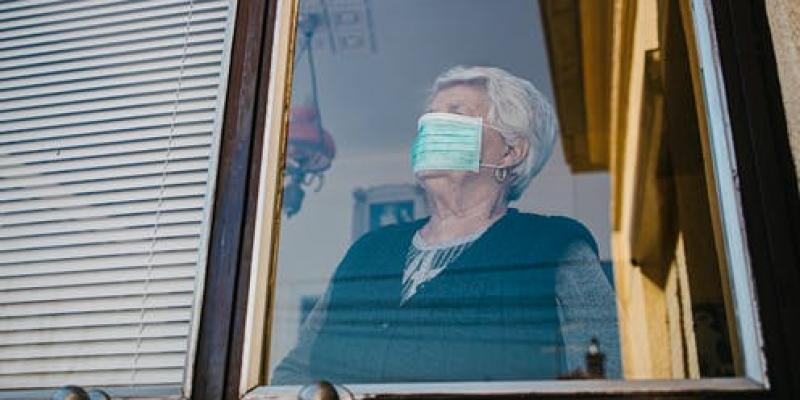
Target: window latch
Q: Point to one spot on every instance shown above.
(71, 392)
(322, 390)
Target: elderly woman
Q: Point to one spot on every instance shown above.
(478, 291)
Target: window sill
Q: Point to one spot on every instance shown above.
(556, 389)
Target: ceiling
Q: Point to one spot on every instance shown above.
(371, 94)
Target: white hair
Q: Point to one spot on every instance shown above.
(518, 110)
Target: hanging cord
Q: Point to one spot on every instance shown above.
(313, 72)
(308, 24)
(161, 191)
(299, 54)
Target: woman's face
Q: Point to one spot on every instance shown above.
(470, 100)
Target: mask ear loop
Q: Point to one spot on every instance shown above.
(500, 173)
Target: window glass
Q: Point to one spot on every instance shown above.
(471, 195)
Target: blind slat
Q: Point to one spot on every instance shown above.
(63, 64)
(165, 97)
(25, 244)
(92, 379)
(101, 224)
(198, 163)
(92, 362)
(93, 334)
(132, 302)
(132, 30)
(100, 14)
(67, 292)
(106, 319)
(165, 243)
(18, 9)
(161, 119)
(57, 153)
(111, 191)
(166, 108)
(115, 261)
(85, 165)
(100, 210)
(106, 83)
(127, 135)
(115, 347)
(86, 95)
(122, 68)
(112, 160)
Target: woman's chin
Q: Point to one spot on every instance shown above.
(442, 179)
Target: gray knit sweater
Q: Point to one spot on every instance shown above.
(521, 302)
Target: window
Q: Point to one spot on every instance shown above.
(110, 117)
(640, 179)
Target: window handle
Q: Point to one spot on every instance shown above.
(71, 392)
(322, 390)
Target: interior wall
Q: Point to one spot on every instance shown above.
(325, 214)
(370, 101)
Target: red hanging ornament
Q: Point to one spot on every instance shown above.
(309, 152)
(310, 147)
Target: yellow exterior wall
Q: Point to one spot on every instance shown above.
(784, 21)
(663, 212)
(665, 256)
(636, 295)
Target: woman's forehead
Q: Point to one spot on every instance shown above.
(461, 99)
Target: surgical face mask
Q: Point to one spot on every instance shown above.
(448, 142)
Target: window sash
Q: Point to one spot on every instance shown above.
(705, 60)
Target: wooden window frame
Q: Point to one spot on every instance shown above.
(766, 181)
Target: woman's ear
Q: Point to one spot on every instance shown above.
(516, 153)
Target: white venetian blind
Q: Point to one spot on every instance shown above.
(109, 125)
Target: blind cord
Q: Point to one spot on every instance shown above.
(160, 200)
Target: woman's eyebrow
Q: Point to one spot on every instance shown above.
(454, 108)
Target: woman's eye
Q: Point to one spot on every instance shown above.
(457, 110)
